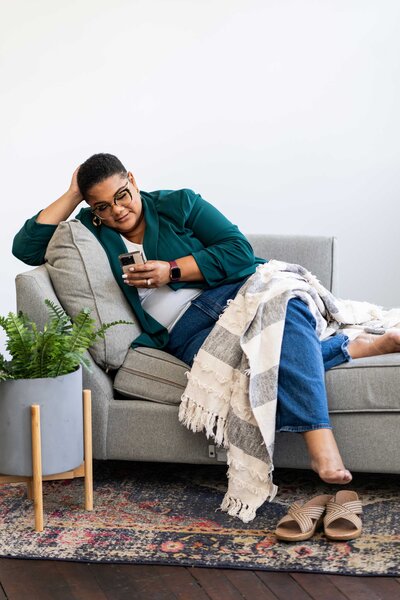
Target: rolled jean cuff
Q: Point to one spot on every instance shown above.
(343, 347)
(337, 353)
(303, 428)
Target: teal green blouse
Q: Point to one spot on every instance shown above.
(178, 223)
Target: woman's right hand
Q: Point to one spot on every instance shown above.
(74, 190)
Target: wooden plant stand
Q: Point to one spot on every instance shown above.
(34, 482)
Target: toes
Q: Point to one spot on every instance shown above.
(343, 476)
(347, 476)
(340, 476)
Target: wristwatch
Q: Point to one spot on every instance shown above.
(174, 272)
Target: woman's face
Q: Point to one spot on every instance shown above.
(116, 200)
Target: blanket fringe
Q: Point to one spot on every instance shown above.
(236, 508)
(197, 418)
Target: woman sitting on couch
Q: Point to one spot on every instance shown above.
(196, 261)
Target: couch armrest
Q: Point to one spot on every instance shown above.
(32, 288)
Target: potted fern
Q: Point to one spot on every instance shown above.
(45, 369)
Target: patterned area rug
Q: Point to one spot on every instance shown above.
(166, 514)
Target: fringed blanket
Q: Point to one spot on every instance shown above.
(232, 387)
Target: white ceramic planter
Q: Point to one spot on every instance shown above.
(61, 421)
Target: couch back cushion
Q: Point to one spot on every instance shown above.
(81, 275)
(315, 253)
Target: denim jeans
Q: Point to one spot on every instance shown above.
(302, 401)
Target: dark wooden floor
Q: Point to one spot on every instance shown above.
(56, 580)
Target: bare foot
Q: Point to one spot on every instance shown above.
(372, 345)
(325, 456)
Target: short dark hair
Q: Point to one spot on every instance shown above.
(97, 168)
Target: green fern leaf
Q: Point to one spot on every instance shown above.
(20, 341)
(4, 369)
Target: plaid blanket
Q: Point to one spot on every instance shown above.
(231, 393)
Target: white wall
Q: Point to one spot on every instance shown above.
(283, 113)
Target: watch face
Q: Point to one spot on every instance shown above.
(175, 273)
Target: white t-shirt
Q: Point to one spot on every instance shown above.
(163, 304)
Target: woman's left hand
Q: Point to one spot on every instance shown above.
(152, 274)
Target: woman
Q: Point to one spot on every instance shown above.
(196, 261)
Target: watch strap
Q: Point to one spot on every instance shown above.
(174, 271)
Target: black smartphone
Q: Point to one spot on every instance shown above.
(131, 258)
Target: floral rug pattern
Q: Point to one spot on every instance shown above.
(166, 514)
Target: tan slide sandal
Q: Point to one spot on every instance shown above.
(341, 521)
(302, 521)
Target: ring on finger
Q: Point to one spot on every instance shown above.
(148, 281)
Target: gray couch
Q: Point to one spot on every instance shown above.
(364, 395)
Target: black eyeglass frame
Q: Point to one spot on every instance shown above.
(115, 200)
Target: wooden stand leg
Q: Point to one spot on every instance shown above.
(37, 468)
(87, 440)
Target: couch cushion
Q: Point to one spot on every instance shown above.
(150, 374)
(81, 275)
(365, 385)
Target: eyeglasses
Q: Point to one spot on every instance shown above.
(122, 198)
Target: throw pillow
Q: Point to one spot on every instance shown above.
(81, 275)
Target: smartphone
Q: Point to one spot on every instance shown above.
(375, 330)
(131, 258)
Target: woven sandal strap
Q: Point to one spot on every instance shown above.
(304, 522)
(301, 523)
(355, 506)
(314, 511)
(304, 515)
(339, 511)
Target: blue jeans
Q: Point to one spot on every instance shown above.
(302, 401)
